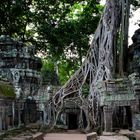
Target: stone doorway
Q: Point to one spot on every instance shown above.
(29, 113)
(72, 121)
(122, 118)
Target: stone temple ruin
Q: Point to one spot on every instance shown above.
(19, 65)
(112, 103)
(21, 69)
(119, 98)
(7, 96)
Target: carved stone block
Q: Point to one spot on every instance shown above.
(92, 136)
(137, 134)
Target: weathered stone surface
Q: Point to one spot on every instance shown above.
(126, 132)
(38, 136)
(20, 66)
(108, 133)
(91, 136)
(120, 92)
(113, 138)
(19, 138)
(137, 134)
(108, 112)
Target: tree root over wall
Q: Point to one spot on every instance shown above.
(98, 66)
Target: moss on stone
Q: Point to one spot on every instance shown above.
(6, 90)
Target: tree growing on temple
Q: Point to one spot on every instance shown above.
(100, 63)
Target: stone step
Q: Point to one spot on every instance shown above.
(91, 136)
(38, 136)
(113, 138)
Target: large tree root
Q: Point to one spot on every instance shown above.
(97, 66)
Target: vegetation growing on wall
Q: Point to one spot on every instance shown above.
(6, 90)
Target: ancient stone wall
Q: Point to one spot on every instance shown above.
(20, 66)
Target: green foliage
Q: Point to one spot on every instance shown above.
(66, 68)
(59, 27)
(64, 26)
(85, 90)
(49, 75)
(15, 16)
(135, 3)
(6, 90)
(66, 23)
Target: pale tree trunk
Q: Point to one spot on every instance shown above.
(124, 37)
(98, 65)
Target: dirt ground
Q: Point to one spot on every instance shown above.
(57, 136)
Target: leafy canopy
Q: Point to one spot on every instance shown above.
(61, 28)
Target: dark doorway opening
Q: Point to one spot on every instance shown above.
(29, 113)
(122, 118)
(72, 121)
(128, 117)
(84, 119)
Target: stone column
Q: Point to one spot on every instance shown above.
(13, 113)
(19, 117)
(108, 111)
(0, 118)
(44, 117)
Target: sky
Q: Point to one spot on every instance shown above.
(102, 2)
(133, 25)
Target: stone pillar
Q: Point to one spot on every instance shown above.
(19, 117)
(13, 113)
(108, 111)
(44, 116)
(80, 124)
(0, 118)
